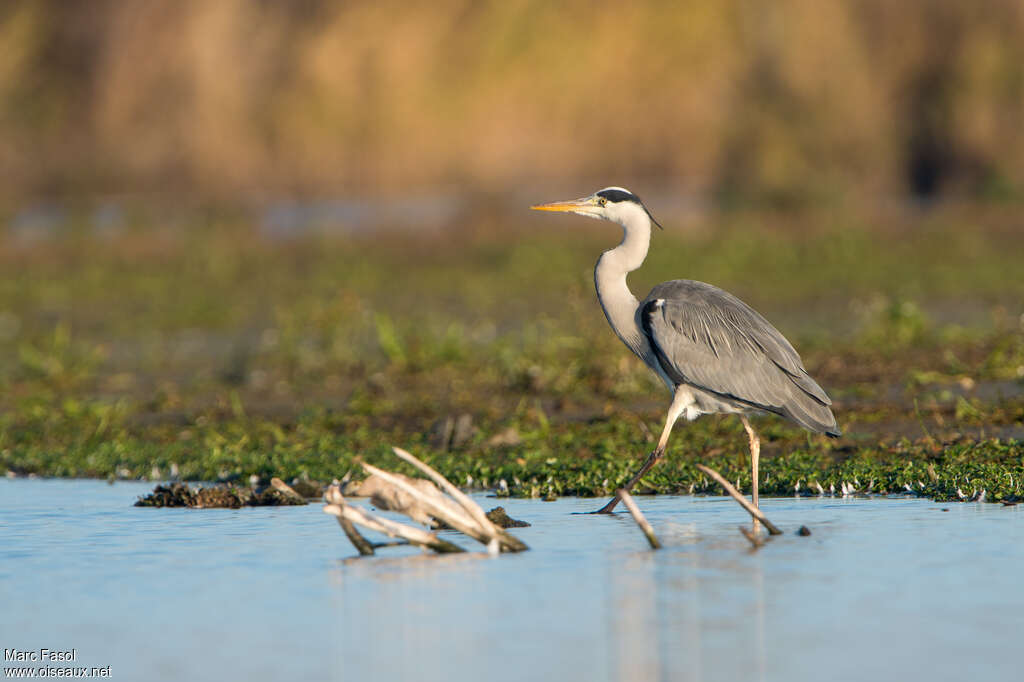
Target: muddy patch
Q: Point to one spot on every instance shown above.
(217, 497)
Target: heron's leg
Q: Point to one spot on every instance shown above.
(755, 455)
(679, 404)
(651, 460)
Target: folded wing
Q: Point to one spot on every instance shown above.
(707, 338)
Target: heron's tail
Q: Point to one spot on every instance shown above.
(810, 412)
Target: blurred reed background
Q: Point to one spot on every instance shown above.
(728, 100)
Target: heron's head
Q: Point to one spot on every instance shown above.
(611, 203)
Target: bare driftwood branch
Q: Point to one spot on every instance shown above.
(416, 536)
(638, 516)
(392, 492)
(418, 502)
(469, 505)
(422, 501)
(744, 502)
(410, 535)
(506, 541)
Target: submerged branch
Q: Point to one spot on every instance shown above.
(638, 516)
(756, 539)
(333, 496)
(364, 546)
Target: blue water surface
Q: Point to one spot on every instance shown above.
(883, 588)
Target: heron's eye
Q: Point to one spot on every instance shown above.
(602, 201)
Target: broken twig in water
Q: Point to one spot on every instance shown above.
(744, 502)
(638, 516)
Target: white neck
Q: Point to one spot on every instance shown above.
(618, 302)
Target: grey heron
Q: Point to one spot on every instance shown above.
(715, 353)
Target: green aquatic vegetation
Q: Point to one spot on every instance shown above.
(590, 458)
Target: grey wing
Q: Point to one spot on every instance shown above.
(707, 338)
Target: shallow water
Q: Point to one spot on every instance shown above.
(883, 588)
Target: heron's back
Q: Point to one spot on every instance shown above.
(708, 339)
